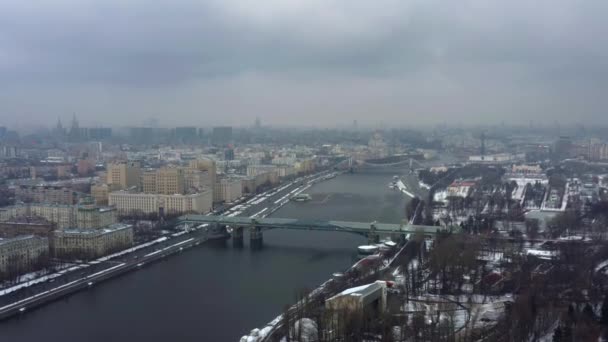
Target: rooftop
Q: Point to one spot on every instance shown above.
(18, 238)
(363, 290)
(104, 230)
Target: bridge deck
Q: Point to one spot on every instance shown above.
(301, 224)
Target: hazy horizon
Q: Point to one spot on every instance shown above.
(303, 63)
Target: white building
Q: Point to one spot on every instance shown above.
(255, 170)
(130, 202)
(460, 189)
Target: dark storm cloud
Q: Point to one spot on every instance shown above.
(298, 61)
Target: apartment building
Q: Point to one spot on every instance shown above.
(63, 216)
(90, 243)
(100, 193)
(196, 180)
(45, 194)
(132, 202)
(124, 175)
(227, 190)
(148, 181)
(22, 254)
(205, 165)
(170, 181)
(14, 228)
(255, 170)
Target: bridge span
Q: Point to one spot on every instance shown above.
(371, 230)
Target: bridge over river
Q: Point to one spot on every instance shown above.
(372, 230)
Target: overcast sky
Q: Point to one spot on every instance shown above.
(303, 62)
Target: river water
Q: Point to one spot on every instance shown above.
(215, 292)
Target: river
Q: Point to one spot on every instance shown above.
(215, 292)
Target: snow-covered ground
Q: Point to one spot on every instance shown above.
(41, 279)
(35, 278)
(424, 185)
(601, 265)
(519, 192)
(403, 189)
(440, 196)
(542, 254)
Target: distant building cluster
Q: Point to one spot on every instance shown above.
(65, 195)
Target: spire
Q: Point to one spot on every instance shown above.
(74, 121)
(74, 130)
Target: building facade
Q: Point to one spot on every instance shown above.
(124, 175)
(63, 216)
(255, 170)
(10, 229)
(132, 203)
(205, 165)
(227, 190)
(100, 193)
(22, 254)
(45, 194)
(90, 244)
(170, 181)
(196, 180)
(221, 136)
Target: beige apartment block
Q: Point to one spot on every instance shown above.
(91, 243)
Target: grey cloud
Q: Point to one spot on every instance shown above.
(399, 59)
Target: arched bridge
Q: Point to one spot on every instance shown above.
(371, 230)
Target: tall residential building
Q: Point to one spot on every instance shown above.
(166, 180)
(148, 181)
(186, 134)
(205, 165)
(221, 136)
(227, 190)
(196, 180)
(124, 175)
(599, 151)
(562, 147)
(93, 217)
(170, 181)
(100, 193)
(22, 254)
(229, 154)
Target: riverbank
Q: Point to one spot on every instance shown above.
(352, 277)
(26, 304)
(218, 284)
(23, 297)
(335, 285)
